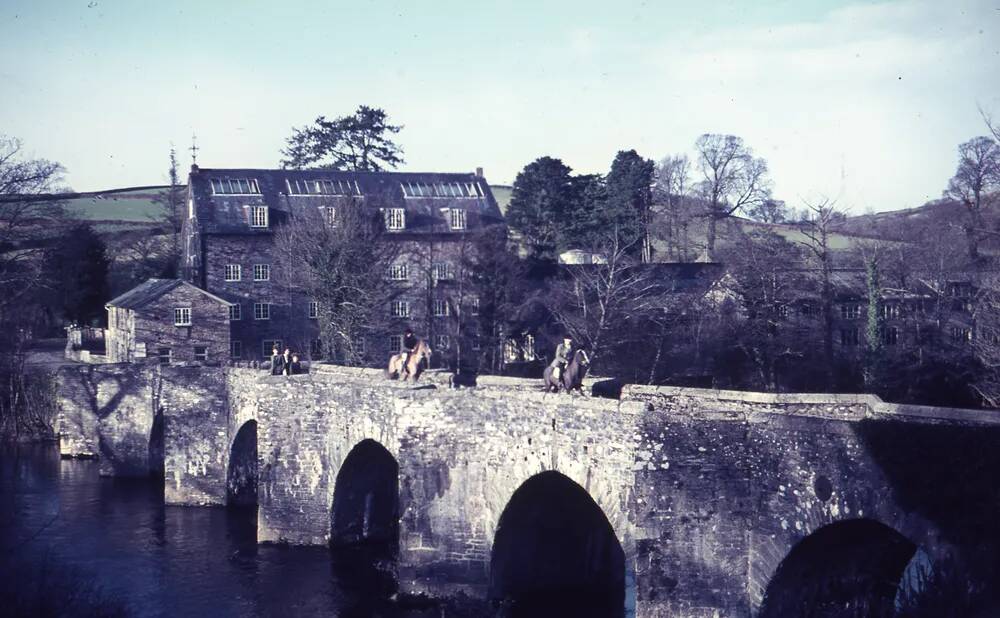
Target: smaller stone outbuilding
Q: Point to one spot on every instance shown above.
(170, 322)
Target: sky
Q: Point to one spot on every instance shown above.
(862, 102)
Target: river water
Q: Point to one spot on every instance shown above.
(173, 561)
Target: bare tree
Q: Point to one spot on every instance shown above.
(339, 259)
(672, 194)
(976, 180)
(732, 179)
(599, 305)
(820, 218)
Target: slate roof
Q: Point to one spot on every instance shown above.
(152, 289)
(228, 214)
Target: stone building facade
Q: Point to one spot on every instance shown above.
(229, 248)
(168, 321)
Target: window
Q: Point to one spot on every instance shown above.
(440, 307)
(235, 312)
(448, 190)
(890, 312)
(235, 349)
(806, 309)
(182, 316)
(329, 215)
(313, 310)
(399, 272)
(848, 336)
(510, 352)
(457, 218)
(400, 309)
(850, 311)
(200, 353)
(472, 189)
(316, 348)
(235, 186)
(442, 342)
(529, 347)
(163, 355)
(261, 272)
(782, 311)
(234, 272)
(262, 311)
(443, 271)
(322, 186)
(890, 336)
(258, 216)
(395, 343)
(960, 334)
(395, 219)
(474, 306)
(268, 345)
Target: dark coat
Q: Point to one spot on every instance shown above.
(277, 364)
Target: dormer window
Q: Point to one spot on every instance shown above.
(235, 186)
(456, 218)
(258, 216)
(395, 219)
(322, 186)
(448, 190)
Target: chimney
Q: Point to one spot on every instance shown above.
(479, 172)
(194, 168)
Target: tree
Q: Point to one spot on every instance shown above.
(361, 142)
(732, 179)
(77, 271)
(542, 197)
(975, 180)
(769, 211)
(672, 194)
(341, 263)
(629, 200)
(819, 221)
(171, 202)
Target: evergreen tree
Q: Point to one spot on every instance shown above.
(629, 198)
(361, 142)
(541, 203)
(76, 271)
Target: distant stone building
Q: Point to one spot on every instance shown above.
(229, 249)
(168, 321)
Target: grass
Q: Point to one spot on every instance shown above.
(135, 205)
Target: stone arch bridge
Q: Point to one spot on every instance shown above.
(710, 503)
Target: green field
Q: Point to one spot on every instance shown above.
(134, 205)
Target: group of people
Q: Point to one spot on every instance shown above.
(284, 363)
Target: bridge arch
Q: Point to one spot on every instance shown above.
(242, 471)
(365, 507)
(847, 568)
(555, 553)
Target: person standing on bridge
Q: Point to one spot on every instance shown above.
(277, 364)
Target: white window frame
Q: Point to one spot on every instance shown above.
(400, 309)
(395, 343)
(236, 349)
(203, 356)
(182, 316)
(440, 308)
(395, 218)
(262, 311)
(168, 357)
(399, 271)
(259, 217)
(442, 342)
(313, 310)
(234, 272)
(443, 271)
(235, 312)
(261, 272)
(474, 306)
(219, 186)
(457, 218)
(329, 215)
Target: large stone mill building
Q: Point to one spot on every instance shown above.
(229, 247)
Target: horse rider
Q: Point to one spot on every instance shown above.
(563, 353)
(410, 343)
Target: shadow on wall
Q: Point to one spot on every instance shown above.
(556, 554)
(242, 476)
(947, 475)
(366, 498)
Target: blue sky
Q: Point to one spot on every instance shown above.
(864, 102)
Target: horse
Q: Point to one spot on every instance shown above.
(413, 368)
(571, 378)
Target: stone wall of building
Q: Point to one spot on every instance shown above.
(153, 328)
